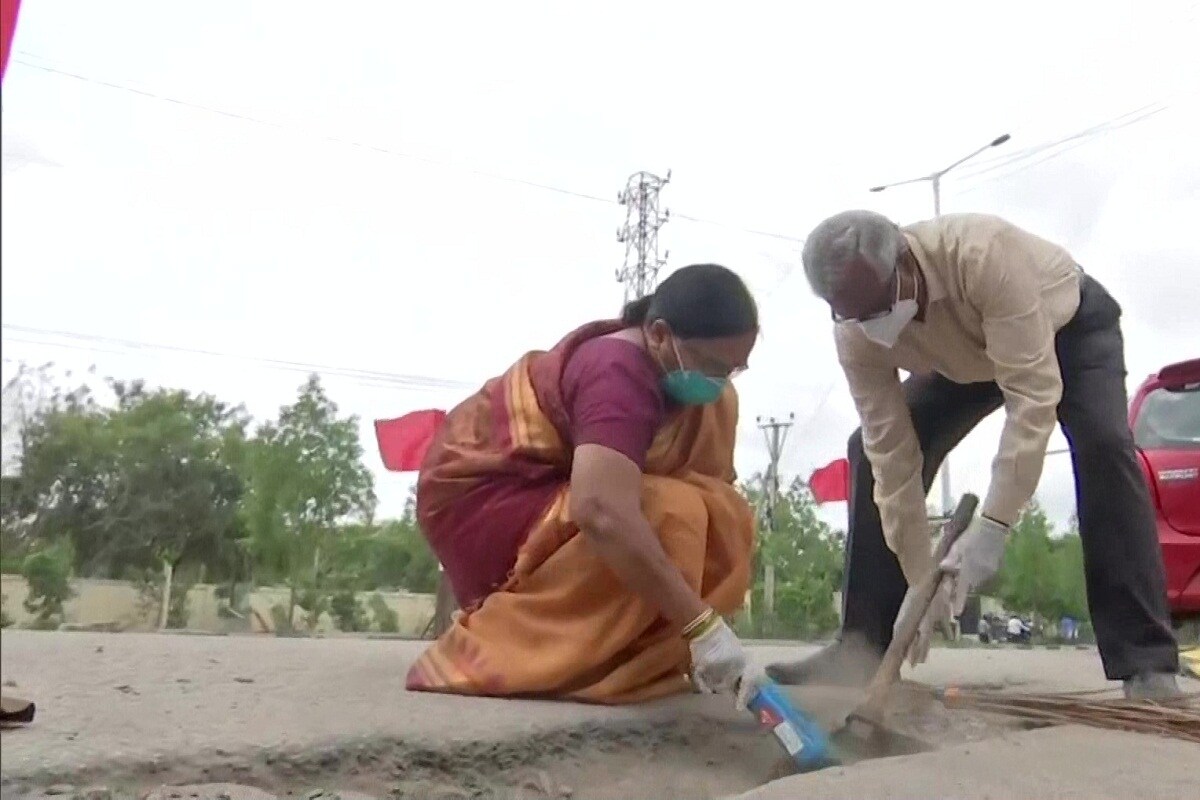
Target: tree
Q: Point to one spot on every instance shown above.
(48, 574)
(1070, 595)
(1024, 583)
(807, 555)
(1042, 574)
(145, 485)
(305, 477)
(180, 489)
(64, 474)
(367, 557)
(25, 397)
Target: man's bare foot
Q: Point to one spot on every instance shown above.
(847, 662)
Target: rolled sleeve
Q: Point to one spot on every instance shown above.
(891, 446)
(1019, 340)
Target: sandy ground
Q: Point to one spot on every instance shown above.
(291, 714)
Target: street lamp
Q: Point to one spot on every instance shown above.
(935, 179)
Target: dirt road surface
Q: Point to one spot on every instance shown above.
(131, 711)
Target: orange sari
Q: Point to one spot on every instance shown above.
(563, 624)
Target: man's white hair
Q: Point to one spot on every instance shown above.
(846, 238)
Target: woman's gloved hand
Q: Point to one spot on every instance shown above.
(718, 658)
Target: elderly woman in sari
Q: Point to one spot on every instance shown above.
(582, 505)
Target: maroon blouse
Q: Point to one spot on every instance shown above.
(613, 396)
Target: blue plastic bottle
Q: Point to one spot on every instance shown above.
(804, 740)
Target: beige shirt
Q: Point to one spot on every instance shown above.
(996, 297)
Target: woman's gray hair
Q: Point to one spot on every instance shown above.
(846, 238)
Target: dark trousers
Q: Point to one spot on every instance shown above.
(1126, 584)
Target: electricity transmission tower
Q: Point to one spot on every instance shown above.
(776, 432)
(640, 233)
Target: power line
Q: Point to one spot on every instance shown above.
(1079, 137)
(985, 165)
(1028, 159)
(740, 229)
(378, 149)
(1030, 164)
(98, 343)
(366, 383)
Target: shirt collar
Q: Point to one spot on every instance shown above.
(933, 284)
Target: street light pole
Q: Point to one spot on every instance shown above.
(935, 180)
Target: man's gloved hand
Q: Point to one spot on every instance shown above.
(718, 659)
(939, 615)
(975, 558)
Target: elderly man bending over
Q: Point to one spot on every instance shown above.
(982, 314)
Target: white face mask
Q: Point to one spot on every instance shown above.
(885, 330)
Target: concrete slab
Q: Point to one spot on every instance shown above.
(1068, 763)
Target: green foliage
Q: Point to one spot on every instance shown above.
(404, 559)
(364, 558)
(149, 480)
(391, 555)
(14, 543)
(386, 620)
(1043, 574)
(158, 481)
(807, 557)
(305, 478)
(313, 599)
(348, 612)
(48, 573)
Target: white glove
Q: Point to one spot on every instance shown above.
(753, 676)
(718, 659)
(975, 558)
(939, 615)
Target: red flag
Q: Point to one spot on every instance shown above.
(403, 441)
(831, 483)
(8, 26)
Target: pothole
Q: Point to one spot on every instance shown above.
(693, 758)
(689, 758)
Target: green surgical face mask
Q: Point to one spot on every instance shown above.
(689, 387)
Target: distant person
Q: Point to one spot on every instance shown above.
(983, 315)
(583, 506)
(1016, 629)
(1068, 628)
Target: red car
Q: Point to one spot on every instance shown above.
(1165, 417)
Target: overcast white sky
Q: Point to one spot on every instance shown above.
(130, 213)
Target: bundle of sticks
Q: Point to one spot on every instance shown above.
(1178, 718)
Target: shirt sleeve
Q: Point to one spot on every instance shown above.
(613, 399)
(891, 447)
(1000, 282)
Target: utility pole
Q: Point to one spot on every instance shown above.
(639, 234)
(776, 433)
(935, 180)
